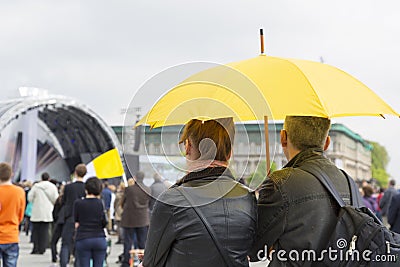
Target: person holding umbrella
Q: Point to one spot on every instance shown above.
(295, 212)
(207, 218)
(270, 88)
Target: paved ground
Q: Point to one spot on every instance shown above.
(28, 260)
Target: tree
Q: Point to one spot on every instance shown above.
(256, 178)
(380, 159)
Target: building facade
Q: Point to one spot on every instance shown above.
(159, 150)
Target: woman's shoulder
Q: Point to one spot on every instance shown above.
(88, 201)
(94, 200)
(170, 193)
(78, 203)
(170, 199)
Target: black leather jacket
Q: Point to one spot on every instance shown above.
(295, 212)
(177, 236)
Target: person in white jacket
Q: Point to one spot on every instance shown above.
(43, 195)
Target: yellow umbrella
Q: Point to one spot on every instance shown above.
(266, 87)
(287, 86)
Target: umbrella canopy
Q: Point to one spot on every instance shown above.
(266, 86)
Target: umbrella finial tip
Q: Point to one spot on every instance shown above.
(262, 41)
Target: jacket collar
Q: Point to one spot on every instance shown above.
(305, 155)
(211, 173)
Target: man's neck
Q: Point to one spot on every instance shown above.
(78, 179)
(6, 183)
(291, 153)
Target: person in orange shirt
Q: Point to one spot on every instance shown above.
(12, 207)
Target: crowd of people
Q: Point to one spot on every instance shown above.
(383, 202)
(208, 218)
(81, 213)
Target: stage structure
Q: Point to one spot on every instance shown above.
(53, 134)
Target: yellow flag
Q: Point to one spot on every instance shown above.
(108, 165)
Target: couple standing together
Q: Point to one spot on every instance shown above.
(209, 219)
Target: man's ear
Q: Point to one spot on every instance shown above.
(327, 142)
(284, 138)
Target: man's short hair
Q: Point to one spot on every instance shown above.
(5, 172)
(157, 177)
(45, 176)
(81, 170)
(93, 186)
(139, 176)
(307, 132)
(392, 182)
(131, 181)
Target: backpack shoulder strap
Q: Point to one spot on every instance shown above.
(354, 193)
(325, 181)
(316, 171)
(207, 225)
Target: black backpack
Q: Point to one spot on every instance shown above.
(359, 238)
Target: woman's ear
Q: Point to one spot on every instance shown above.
(188, 146)
(229, 156)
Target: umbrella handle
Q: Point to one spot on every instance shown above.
(262, 40)
(267, 157)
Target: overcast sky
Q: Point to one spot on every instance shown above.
(101, 52)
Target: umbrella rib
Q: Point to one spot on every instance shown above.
(233, 92)
(372, 91)
(321, 102)
(308, 81)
